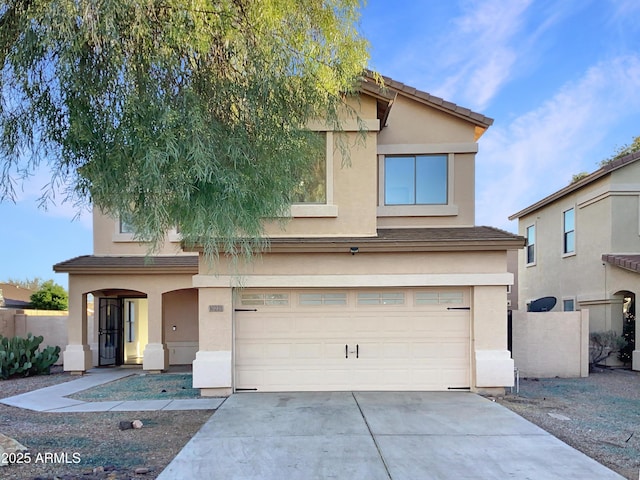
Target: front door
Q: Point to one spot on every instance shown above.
(110, 333)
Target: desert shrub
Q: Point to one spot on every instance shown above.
(23, 356)
(603, 344)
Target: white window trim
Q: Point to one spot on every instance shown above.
(535, 245)
(447, 210)
(575, 236)
(328, 209)
(119, 236)
(573, 299)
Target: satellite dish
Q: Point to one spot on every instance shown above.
(543, 304)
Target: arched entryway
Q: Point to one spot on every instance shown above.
(628, 324)
(121, 326)
(180, 325)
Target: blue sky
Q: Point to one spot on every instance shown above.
(560, 78)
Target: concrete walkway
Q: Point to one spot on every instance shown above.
(54, 398)
(375, 436)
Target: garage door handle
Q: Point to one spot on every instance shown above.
(357, 351)
(346, 351)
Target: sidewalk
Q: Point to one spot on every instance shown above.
(54, 398)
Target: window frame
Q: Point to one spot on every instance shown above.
(567, 233)
(414, 179)
(529, 246)
(327, 209)
(573, 304)
(431, 210)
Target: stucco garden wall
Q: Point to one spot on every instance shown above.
(551, 344)
(52, 325)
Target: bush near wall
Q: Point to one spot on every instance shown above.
(22, 356)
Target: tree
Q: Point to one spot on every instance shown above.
(174, 113)
(634, 146)
(50, 296)
(28, 283)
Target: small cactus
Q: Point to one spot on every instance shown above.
(22, 356)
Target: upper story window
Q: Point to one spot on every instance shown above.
(416, 180)
(569, 231)
(312, 187)
(531, 244)
(124, 225)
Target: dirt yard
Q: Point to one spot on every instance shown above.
(599, 415)
(90, 446)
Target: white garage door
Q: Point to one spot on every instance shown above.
(308, 339)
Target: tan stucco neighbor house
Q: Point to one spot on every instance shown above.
(583, 246)
(380, 282)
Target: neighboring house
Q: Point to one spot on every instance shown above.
(381, 281)
(12, 296)
(583, 246)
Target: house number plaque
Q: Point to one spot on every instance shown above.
(216, 308)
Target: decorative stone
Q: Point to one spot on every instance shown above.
(136, 424)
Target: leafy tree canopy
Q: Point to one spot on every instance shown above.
(28, 283)
(50, 296)
(625, 150)
(620, 152)
(174, 113)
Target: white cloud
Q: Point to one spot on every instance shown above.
(538, 152)
(30, 190)
(480, 52)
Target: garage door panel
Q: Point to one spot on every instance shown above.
(404, 346)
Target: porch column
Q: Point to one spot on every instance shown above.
(491, 359)
(156, 354)
(77, 357)
(212, 368)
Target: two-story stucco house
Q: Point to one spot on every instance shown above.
(583, 246)
(379, 281)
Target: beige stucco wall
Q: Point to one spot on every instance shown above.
(83, 334)
(51, 325)
(413, 128)
(485, 272)
(180, 311)
(551, 344)
(606, 221)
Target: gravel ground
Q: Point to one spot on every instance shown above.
(598, 415)
(57, 440)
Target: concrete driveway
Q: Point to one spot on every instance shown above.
(372, 435)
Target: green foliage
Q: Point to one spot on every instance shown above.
(188, 114)
(603, 344)
(579, 176)
(22, 356)
(629, 336)
(28, 283)
(634, 146)
(50, 296)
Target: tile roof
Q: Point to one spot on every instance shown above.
(426, 98)
(628, 262)
(601, 172)
(150, 264)
(411, 239)
(393, 239)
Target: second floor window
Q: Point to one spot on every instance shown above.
(569, 233)
(531, 244)
(312, 187)
(125, 225)
(415, 180)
